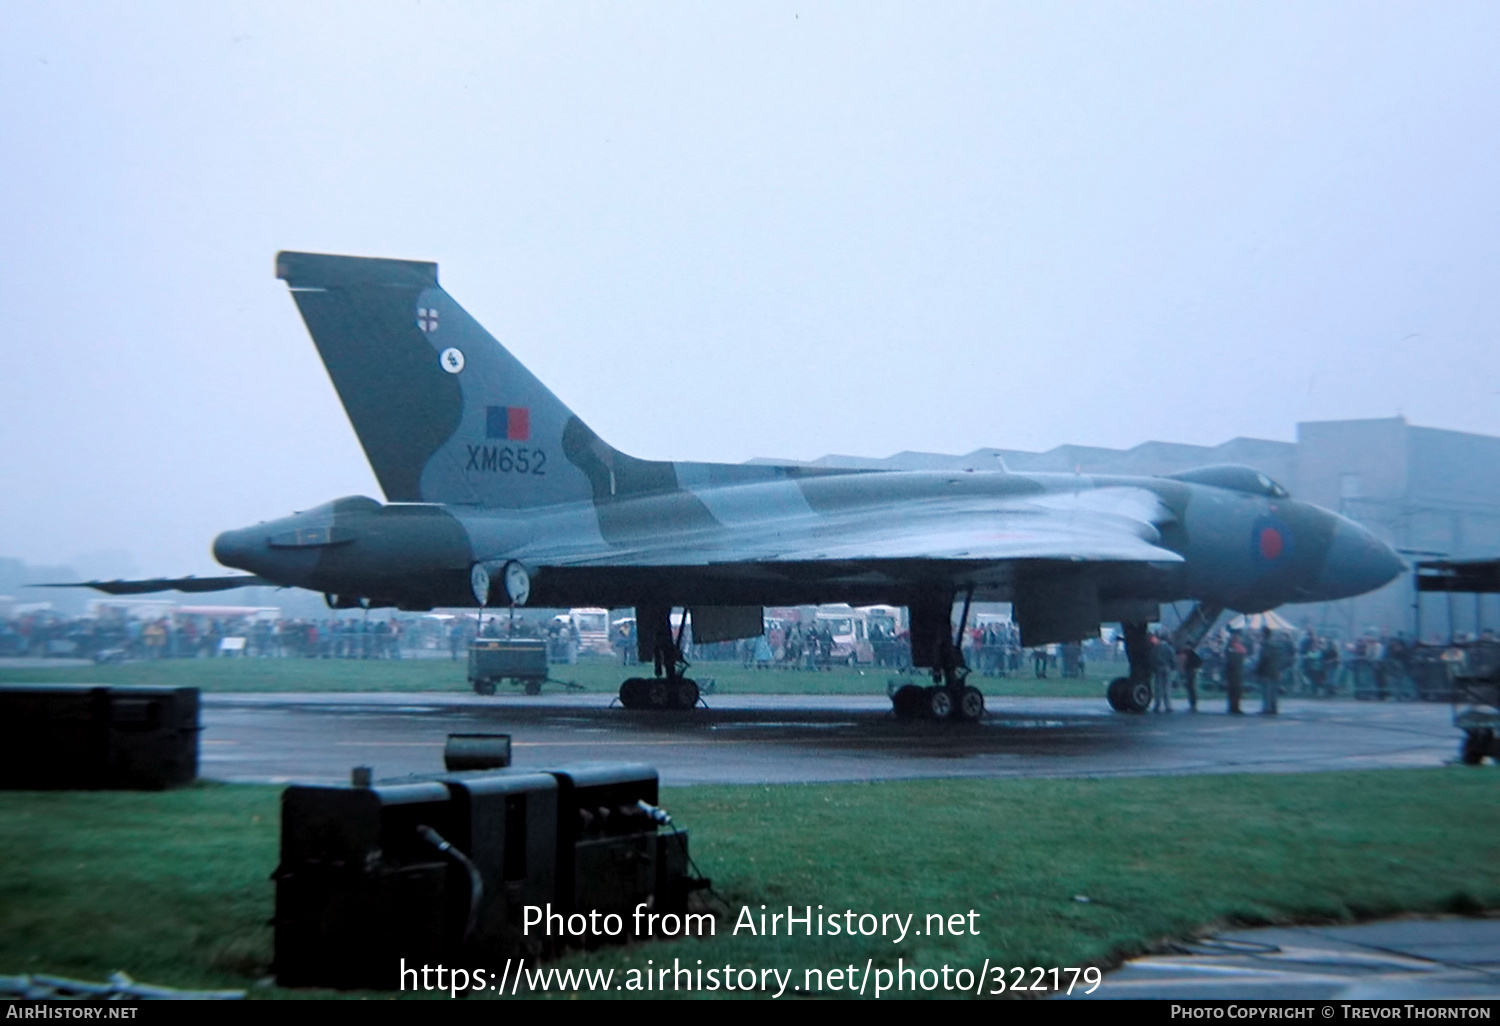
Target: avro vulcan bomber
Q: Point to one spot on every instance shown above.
(497, 494)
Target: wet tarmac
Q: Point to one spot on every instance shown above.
(279, 738)
(1404, 959)
(786, 739)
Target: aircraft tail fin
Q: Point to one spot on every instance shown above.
(443, 411)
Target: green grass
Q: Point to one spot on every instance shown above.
(261, 675)
(437, 675)
(173, 887)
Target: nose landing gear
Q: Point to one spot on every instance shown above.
(1132, 694)
(1129, 696)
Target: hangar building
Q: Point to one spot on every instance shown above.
(1427, 491)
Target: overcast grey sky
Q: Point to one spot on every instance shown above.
(723, 230)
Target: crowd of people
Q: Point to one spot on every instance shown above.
(1375, 665)
(180, 636)
(800, 647)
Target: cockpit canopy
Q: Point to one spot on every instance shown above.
(1235, 477)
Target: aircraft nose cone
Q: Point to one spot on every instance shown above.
(238, 549)
(1357, 562)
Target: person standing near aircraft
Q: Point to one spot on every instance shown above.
(1190, 662)
(1234, 673)
(1268, 671)
(1163, 662)
(1330, 664)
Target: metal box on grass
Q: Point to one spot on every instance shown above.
(442, 868)
(606, 844)
(359, 887)
(77, 736)
(507, 824)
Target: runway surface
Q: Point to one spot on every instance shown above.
(1405, 959)
(785, 739)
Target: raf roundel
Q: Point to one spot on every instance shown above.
(452, 360)
(1271, 543)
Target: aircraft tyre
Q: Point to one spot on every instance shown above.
(907, 702)
(633, 693)
(532, 687)
(484, 686)
(938, 703)
(1475, 746)
(685, 694)
(658, 694)
(1129, 696)
(971, 705)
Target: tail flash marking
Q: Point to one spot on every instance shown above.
(511, 423)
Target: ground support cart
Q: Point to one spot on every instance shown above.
(522, 661)
(1474, 661)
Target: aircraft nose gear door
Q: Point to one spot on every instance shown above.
(1195, 626)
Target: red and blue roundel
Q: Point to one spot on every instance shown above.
(1270, 541)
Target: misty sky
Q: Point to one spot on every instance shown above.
(721, 231)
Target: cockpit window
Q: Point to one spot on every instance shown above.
(1234, 477)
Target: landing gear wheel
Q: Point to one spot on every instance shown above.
(532, 687)
(938, 703)
(971, 705)
(907, 702)
(1475, 746)
(1129, 696)
(633, 693)
(685, 694)
(658, 695)
(1117, 694)
(484, 687)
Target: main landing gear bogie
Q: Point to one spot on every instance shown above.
(659, 693)
(949, 697)
(937, 702)
(669, 689)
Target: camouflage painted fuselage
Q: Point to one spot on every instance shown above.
(483, 465)
(795, 539)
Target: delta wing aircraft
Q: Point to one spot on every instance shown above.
(498, 494)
